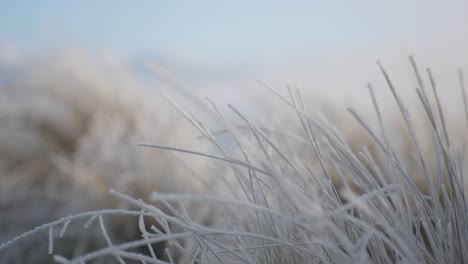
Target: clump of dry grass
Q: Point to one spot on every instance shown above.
(318, 196)
(69, 126)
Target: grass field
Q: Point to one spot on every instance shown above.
(96, 167)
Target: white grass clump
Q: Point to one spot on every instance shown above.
(69, 124)
(309, 197)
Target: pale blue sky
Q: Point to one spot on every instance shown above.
(208, 28)
(234, 43)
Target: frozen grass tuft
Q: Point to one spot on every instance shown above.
(316, 195)
(70, 122)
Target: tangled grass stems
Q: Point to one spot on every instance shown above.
(311, 197)
(65, 221)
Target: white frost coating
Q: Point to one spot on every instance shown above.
(296, 187)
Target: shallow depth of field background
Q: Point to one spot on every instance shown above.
(221, 48)
(80, 85)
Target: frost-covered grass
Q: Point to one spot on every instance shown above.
(306, 191)
(69, 124)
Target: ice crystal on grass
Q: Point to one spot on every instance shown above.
(315, 195)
